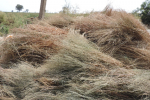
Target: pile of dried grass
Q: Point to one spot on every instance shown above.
(94, 75)
(60, 20)
(78, 52)
(34, 48)
(69, 66)
(33, 43)
(93, 22)
(23, 82)
(118, 34)
(78, 71)
(42, 29)
(117, 84)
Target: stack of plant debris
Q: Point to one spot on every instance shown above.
(60, 20)
(38, 28)
(102, 66)
(34, 48)
(118, 34)
(79, 71)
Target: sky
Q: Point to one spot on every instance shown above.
(82, 5)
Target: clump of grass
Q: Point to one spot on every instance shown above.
(4, 30)
(18, 79)
(93, 22)
(60, 20)
(117, 33)
(45, 29)
(2, 17)
(77, 52)
(140, 80)
(33, 48)
(23, 81)
(116, 84)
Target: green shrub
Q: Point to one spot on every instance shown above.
(2, 17)
(32, 15)
(4, 29)
(144, 12)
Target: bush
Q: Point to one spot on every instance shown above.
(4, 29)
(144, 12)
(2, 17)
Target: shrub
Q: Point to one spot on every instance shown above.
(144, 12)
(2, 17)
(4, 29)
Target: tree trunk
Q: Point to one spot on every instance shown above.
(42, 9)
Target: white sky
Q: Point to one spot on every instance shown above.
(84, 5)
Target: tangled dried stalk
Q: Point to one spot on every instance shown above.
(33, 48)
(118, 34)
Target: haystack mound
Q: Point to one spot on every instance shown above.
(118, 34)
(110, 61)
(37, 28)
(60, 20)
(34, 43)
(32, 48)
(79, 71)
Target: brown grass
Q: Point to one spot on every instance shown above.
(34, 48)
(110, 61)
(39, 28)
(117, 33)
(77, 52)
(60, 20)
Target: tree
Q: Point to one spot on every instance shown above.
(19, 7)
(27, 10)
(66, 8)
(69, 9)
(144, 12)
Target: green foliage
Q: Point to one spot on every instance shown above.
(144, 12)
(9, 20)
(32, 15)
(4, 29)
(3, 20)
(27, 10)
(19, 7)
(2, 17)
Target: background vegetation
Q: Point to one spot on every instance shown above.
(144, 12)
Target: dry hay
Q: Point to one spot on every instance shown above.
(117, 84)
(78, 52)
(47, 29)
(33, 43)
(60, 20)
(118, 34)
(78, 71)
(37, 28)
(34, 48)
(93, 22)
(74, 68)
